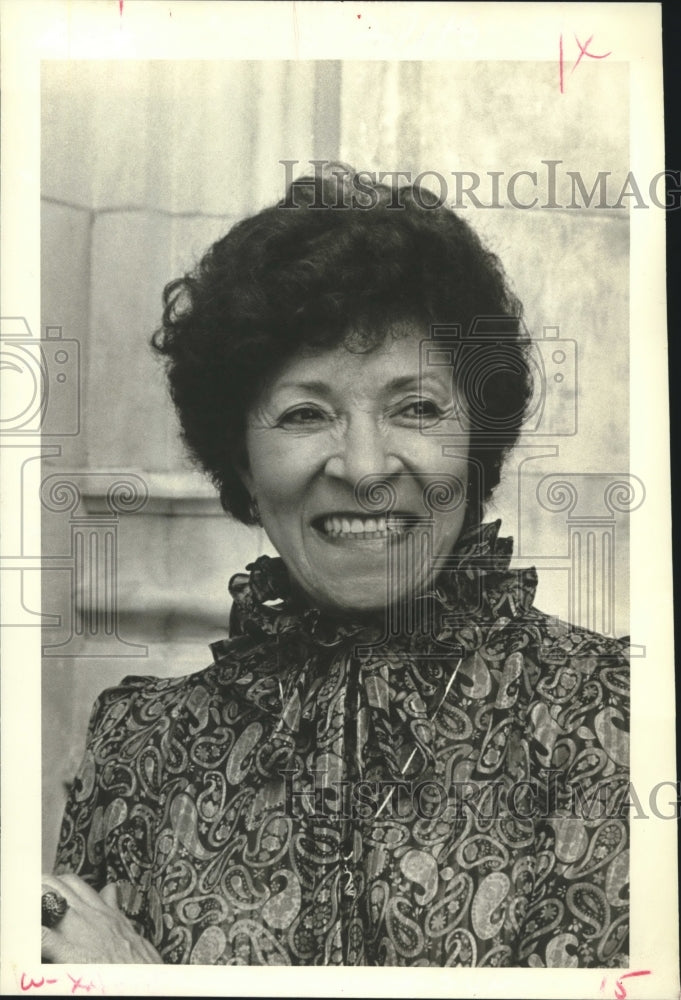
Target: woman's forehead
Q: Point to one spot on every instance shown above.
(396, 360)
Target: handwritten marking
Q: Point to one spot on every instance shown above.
(79, 985)
(28, 983)
(620, 992)
(34, 983)
(583, 51)
(560, 63)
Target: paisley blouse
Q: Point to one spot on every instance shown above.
(451, 792)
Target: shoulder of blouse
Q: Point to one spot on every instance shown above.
(580, 687)
(560, 638)
(149, 701)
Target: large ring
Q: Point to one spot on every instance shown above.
(53, 906)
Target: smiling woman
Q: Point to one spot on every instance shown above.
(395, 759)
(323, 425)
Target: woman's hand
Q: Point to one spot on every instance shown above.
(93, 929)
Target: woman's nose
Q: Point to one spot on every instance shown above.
(363, 450)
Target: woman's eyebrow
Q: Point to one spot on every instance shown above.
(415, 381)
(313, 386)
(400, 383)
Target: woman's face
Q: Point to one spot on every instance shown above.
(323, 424)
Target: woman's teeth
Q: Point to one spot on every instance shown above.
(358, 527)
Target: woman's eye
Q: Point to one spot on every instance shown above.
(421, 409)
(302, 415)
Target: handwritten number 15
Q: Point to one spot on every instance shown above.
(620, 990)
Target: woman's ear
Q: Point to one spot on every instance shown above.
(243, 470)
(244, 473)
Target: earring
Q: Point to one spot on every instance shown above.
(255, 511)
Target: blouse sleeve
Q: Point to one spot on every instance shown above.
(107, 831)
(578, 915)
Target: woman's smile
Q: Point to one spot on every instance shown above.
(334, 421)
(353, 527)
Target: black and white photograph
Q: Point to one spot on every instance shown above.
(335, 448)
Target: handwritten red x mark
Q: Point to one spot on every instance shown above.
(583, 51)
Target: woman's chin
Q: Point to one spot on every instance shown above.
(359, 594)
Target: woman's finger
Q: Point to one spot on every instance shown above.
(90, 936)
(55, 948)
(73, 889)
(110, 895)
(93, 928)
(151, 953)
(46, 943)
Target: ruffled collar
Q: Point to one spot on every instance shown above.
(476, 585)
(283, 658)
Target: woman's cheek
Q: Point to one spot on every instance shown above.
(282, 466)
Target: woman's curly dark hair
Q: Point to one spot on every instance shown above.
(340, 256)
